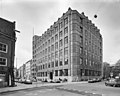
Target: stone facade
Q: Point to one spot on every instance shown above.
(70, 49)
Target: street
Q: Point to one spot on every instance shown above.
(44, 91)
(98, 88)
(69, 89)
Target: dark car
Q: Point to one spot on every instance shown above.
(113, 82)
(99, 79)
(28, 82)
(92, 80)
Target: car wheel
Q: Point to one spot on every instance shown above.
(106, 84)
(114, 85)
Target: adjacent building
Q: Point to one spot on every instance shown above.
(70, 49)
(28, 70)
(24, 71)
(7, 51)
(106, 70)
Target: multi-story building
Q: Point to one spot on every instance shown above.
(70, 49)
(33, 66)
(7, 51)
(28, 69)
(21, 72)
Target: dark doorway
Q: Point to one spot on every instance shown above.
(51, 75)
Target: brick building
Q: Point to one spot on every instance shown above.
(7, 51)
(70, 49)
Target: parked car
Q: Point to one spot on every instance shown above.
(113, 82)
(99, 79)
(57, 81)
(28, 82)
(92, 80)
(21, 81)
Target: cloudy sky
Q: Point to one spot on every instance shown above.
(40, 14)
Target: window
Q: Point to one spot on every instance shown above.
(60, 53)
(66, 61)
(56, 63)
(86, 52)
(48, 65)
(66, 51)
(56, 37)
(66, 30)
(81, 39)
(60, 72)
(43, 66)
(86, 61)
(52, 56)
(56, 54)
(60, 25)
(3, 61)
(45, 51)
(45, 44)
(61, 43)
(52, 47)
(60, 34)
(90, 63)
(56, 45)
(52, 63)
(61, 62)
(48, 49)
(65, 72)
(56, 72)
(81, 50)
(81, 30)
(52, 39)
(3, 47)
(66, 40)
(45, 73)
(66, 20)
(56, 28)
(49, 57)
(81, 61)
(48, 42)
(80, 19)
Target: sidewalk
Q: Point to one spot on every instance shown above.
(29, 86)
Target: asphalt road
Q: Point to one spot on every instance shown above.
(98, 88)
(71, 89)
(45, 91)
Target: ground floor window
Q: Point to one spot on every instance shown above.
(56, 72)
(60, 72)
(46, 74)
(3, 61)
(65, 72)
(66, 61)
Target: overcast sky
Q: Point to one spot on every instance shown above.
(40, 14)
